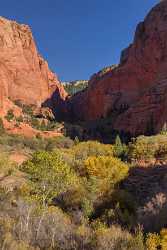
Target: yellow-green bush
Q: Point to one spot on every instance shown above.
(114, 238)
(80, 152)
(91, 148)
(6, 166)
(49, 175)
(106, 167)
(104, 172)
(146, 148)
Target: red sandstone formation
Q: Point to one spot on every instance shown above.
(135, 91)
(24, 75)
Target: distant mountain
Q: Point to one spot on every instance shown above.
(74, 87)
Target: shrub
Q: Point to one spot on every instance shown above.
(26, 227)
(152, 241)
(49, 176)
(57, 143)
(157, 241)
(27, 109)
(2, 129)
(104, 172)
(153, 215)
(115, 238)
(119, 207)
(85, 149)
(6, 166)
(10, 115)
(77, 154)
(106, 167)
(147, 148)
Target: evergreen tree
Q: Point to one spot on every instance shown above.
(120, 149)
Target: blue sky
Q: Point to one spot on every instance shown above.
(79, 37)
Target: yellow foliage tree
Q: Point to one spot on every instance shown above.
(106, 170)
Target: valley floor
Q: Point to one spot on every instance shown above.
(59, 193)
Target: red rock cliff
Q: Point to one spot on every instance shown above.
(24, 74)
(136, 90)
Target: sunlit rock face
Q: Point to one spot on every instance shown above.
(135, 91)
(24, 74)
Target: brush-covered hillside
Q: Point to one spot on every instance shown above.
(58, 193)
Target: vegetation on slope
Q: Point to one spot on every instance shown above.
(75, 86)
(42, 120)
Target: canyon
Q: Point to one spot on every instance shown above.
(133, 93)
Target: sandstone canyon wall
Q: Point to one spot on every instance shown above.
(136, 90)
(24, 74)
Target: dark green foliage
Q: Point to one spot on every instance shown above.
(27, 109)
(120, 149)
(2, 130)
(10, 115)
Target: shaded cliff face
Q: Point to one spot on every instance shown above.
(24, 75)
(136, 89)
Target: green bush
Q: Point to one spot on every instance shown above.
(91, 148)
(49, 175)
(147, 148)
(27, 109)
(2, 129)
(10, 115)
(6, 166)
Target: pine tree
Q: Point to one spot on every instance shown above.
(118, 147)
